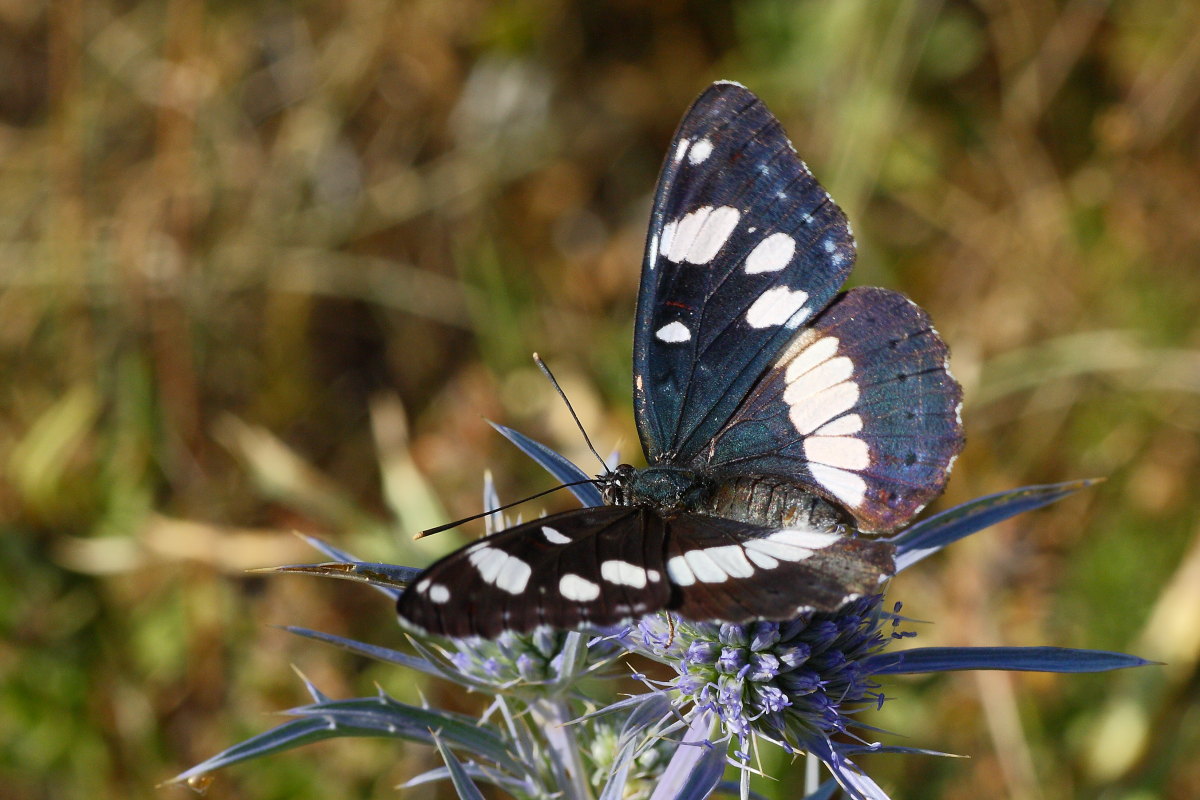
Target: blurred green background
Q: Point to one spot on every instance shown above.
(266, 266)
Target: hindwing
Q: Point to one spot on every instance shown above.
(861, 407)
(734, 572)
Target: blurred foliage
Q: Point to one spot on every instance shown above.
(265, 267)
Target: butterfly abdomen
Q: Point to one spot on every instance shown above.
(772, 501)
(767, 500)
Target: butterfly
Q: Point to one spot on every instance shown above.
(781, 420)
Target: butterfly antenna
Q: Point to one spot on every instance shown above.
(553, 382)
(456, 523)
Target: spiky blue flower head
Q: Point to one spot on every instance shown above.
(803, 683)
(512, 658)
(788, 682)
(799, 683)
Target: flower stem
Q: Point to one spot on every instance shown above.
(812, 773)
(552, 715)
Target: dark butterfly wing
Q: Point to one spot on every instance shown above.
(588, 567)
(860, 407)
(602, 566)
(744, 247)
(730, 571)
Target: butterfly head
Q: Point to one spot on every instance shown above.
(615, 486)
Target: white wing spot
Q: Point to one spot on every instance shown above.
(697, 237)
(842, 426)
(701, 150)
(514, 576)
(488, 560)
(581, 590)
(500, 569)
(731, 559)
(439, 594)
(805, 537)
(653, 575)
(781, 545)
(674, 333)
(845, 486)
(761, 560)
(829, 245)
(623, 573)
(553, 536)
(423, 586)
(771, 254)
(778, 306)
(812, 411)
(846, 452)
(667, 238)
(772, 549)
(816, 380)
(681, 148)
(679, 571)
(819, 388)
(788, 544)
(704, 568)
(806, 354)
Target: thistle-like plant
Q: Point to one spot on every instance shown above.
(801, 684)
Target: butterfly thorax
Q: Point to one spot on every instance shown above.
(767, 500)
(663, 488)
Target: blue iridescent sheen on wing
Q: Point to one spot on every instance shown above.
(744, 247)
(861, 407)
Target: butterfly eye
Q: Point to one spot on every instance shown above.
(617, 485)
